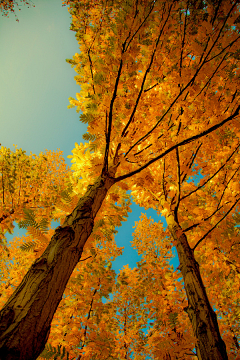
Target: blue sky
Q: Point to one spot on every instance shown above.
(36, 83)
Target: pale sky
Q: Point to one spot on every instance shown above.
(35, 84)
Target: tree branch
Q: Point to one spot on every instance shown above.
(144, 78)
(204, 236)
(191, 161)
(184, 142)
(108, 136)
(178, 184)
(211, 177)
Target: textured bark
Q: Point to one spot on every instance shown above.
(26, 318)
(210, 345)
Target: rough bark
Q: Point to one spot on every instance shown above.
(210, 345)
(26, 318)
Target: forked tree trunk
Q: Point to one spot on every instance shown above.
(26, 318)
(210, 345)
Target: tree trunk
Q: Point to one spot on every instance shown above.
(210, 345)
(26, 318)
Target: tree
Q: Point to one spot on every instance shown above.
(197, 213)
(159, 91)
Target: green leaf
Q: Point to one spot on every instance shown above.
(93, 146)
(173, 318)
(28, 246)
(88, 137)
(52, 352)
(98, 78)
(86, 118)
(29, 219)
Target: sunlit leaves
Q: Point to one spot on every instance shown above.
(30, 186)
(155, 78)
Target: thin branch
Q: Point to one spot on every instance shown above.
(204, 236)
(139, 25)
(234, 95)
(227, 261)
(140, 151)
(178, 184)
(144, 137)
(151, 87)
(205, 219)
(235, 339)
(208, 82)
(88, 317)
(86, 258)
(145, 77)
(183, 40)
(199, 187)
(213, 45)
(191, 81)
(91, 69)
(5, 216)
(136, 11)
(204, 50)
(184, 142)
(223, 26)
(158, 199)
(180, 122)
(228, 184)
(216, 11)
(106, 126)
(191, 162)
(124, 49)
(105, 166)
(217, 209)
(163, 181)
(229, 45)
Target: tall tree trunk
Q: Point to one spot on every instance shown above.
(26, 318)
(210, 345)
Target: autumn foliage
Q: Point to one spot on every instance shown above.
(30, 182)
(9, 6)
(159, 90)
